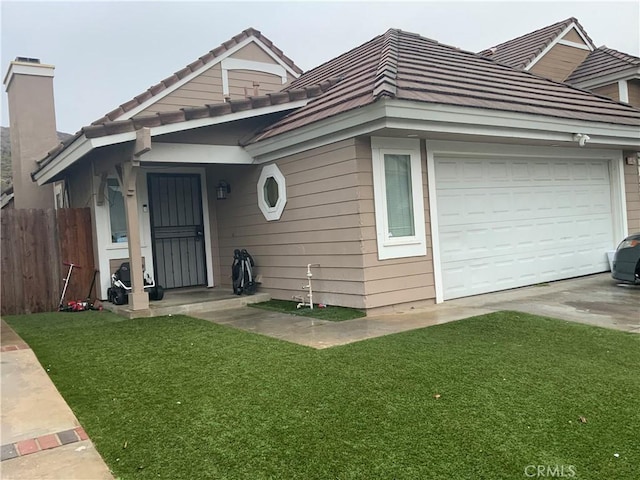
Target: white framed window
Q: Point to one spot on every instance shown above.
(398, 197)
(117, 216)
(272, 192)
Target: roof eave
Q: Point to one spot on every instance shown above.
(84, 145)
(404, 114)
(599, 80)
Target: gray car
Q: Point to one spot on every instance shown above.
(626, 262)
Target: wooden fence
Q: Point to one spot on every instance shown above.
(35, 245)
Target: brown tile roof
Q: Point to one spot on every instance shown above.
(603, 61)
(105, 128)
(521, 51)
(192, 67)
(399, 65)
(407, 66)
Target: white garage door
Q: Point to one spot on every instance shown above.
(510, 222)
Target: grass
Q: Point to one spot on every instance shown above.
(335, 314)
(179, 398)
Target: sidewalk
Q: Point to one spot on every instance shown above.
(41, 438)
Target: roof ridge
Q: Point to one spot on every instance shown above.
(627, 57)
(194, 66)
(522, 50)
(564, 23)
(384, 83)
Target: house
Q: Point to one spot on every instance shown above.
(412, 172)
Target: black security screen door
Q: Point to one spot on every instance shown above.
(177, 229)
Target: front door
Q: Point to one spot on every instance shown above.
(177, 229)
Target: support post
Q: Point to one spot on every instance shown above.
(127, 175)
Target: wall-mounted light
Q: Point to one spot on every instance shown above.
(222, 190)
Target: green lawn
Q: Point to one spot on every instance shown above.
(333, 313)
(178, 398)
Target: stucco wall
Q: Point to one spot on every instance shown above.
(559, 62)
(632, 193)
(321, 223)
(610, 91)
(633, 87)
(207, 87)
(392, 281)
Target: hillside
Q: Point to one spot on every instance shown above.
(5, 155)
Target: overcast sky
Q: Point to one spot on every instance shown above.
(105, 53)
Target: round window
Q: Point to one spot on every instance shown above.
(271, 192)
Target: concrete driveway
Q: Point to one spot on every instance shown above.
(594, 300)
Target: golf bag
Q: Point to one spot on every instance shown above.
(242, 273)
(121, 284)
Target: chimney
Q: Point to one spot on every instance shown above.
(32, 119)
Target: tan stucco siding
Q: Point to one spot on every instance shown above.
(633, 87)
(253, 52)
(573, 36)
(201, 90)
(321, 223)
(632, 193)
(559, 62)
(610, 91)
(241, 83)
(392, 281)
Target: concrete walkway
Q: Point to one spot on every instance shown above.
(594, 300)
(41, 437)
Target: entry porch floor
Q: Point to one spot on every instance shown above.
(188, 301)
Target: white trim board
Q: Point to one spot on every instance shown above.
(407, 246)
(446, 119)
(623, 91)
(569, 43)
(186, 153)
(241, 64)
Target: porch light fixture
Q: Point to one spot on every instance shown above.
(222, 190)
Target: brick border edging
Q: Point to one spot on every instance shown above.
(44, 442)
(17, 346)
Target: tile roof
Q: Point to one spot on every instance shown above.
(603, 61)
(194, 66)
(521, 51)
(398, 65)
(407, 66)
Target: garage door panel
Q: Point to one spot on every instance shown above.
(474, 277)
(473, 241)
(461, 206)
(505, 223)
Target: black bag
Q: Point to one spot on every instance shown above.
(242, 273)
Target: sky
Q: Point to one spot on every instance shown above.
(105, 53)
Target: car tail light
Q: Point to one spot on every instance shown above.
(628, 244)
